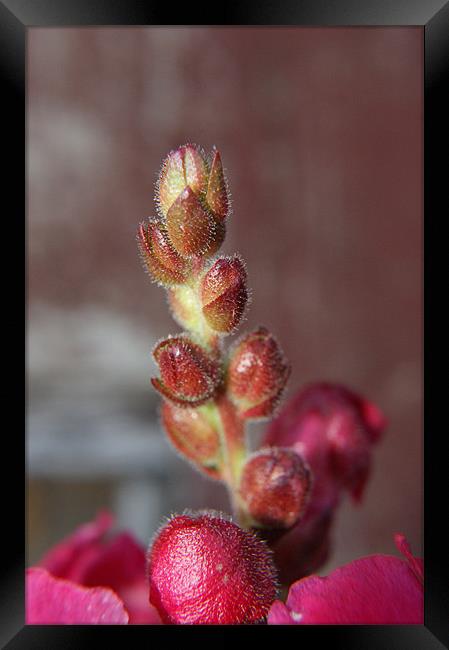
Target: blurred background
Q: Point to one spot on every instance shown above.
(321, 133)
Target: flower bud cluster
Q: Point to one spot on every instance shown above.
(203, 568)
(208, 394)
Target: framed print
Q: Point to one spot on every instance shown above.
(274, 171)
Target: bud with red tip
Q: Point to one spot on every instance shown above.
(194, 435)
(161, 260)
(189, 377)
(204, 569)
(275, 487)
(193, 199)
(257, 374)
(224, 294)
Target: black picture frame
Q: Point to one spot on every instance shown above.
(16, 18)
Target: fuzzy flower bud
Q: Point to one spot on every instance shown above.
(188, 376)
(204, 569)
(161, 260)
(257, 374)
(335, 430)
(275, 486)
(217, 195)
(224, 294)
(184, 167)
(194, 201)
(190, 227)
(193, 435)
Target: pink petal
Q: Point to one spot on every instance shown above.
(378, 589)
(87, 558)
(68, 558)
(52, 601)
(416, 564)
(121, 565)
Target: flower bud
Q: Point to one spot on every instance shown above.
(190, 227)
(194, 201)
(204, 569)
(217, 194)
(161, 260)
(257, 374)
(275, 487)
(192, 434)
(336, 429)
(188, 376)
(184, 167)
(224, 294)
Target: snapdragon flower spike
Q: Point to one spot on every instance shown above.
(224, 294)
(275, 486)
(193, 200)
(161, 260)
(257, 374)
(204, 569)
(194, 436)
(189, 377)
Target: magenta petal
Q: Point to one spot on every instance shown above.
(68, 558)
(52, 601)
(416, 564)
(121, 565)
(378, 589)
(280, 614)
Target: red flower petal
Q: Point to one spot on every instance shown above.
(121, 566)
(86, 558)
(378, 589)
(52, 601)
(67, 559)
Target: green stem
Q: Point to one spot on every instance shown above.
(232, 432)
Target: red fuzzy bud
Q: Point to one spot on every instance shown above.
(192, 433)
(275, 486)
(204, 569)
(194, 201)
(190, 227)
(224, 294)
(158, 255)
(257, 374)
(217, 195)
(184, 167)
(188, 376)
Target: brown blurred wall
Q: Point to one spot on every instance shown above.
(321, 133)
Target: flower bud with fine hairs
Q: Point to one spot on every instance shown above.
(192, 433)
(275, 487)
(160, 259)
(186, 166)
(217, 197)
(204, 569)
(193, 199)
(257, 374)
(224, 294)
(189, 377)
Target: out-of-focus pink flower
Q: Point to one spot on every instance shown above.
(53, 601)
(334, 430)
(378, 589)
(92, 557)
